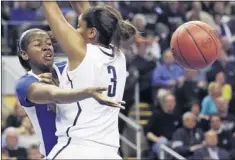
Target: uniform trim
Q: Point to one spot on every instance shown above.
(74, 123)
(106, 53)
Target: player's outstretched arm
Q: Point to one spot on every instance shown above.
(80, 6)
(46, 94)
(69, 39)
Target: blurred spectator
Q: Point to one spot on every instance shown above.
(144, 63)
(224, 137)
(232, 103)
(27, 135)
(22, 13)
(208, 103)
(196, 13)
(226, 88)
(11, 137)
(202, 120)
(211, 149)
(71, 16)
(188, 138)
(5, 155)
(228, 120)
(190, 90)
(140, 23)
(222, 28)
(222, 65)
(162, 124)
(168, 74)
(14, 120)
(207, 6)
(228, 48)
(172, 16)
(34, 153)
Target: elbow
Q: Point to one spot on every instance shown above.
(54, 97)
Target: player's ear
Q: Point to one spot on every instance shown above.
(92, 33)
(24, 55)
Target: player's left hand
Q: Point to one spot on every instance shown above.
(97, 94)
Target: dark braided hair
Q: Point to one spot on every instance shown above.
(110, 25)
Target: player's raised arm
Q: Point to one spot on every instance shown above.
(69, 39)
(80, 6)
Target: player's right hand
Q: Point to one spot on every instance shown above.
(97, 94)
(45, 78)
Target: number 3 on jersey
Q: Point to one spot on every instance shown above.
(112, 86)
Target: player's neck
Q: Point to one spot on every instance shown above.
(102, 45)
(39, 71)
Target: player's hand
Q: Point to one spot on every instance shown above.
(96, 93)
(45, 78)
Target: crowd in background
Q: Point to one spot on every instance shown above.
(193, 111)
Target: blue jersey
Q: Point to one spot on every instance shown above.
(42, 118)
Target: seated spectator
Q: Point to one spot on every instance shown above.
(14, 120)
(224, 137)
(227, 120)
(211, 150)
(226, 88)
(27, 136)
(202, 15)
(34, 153)
(222, 28)
(232, 103)
(169, 73)
(140, 23)
(145, 64)
(208, 103)
(222, 64)
(5, 155)
(22, 13)
(202, 120)
(11, 137)
(190, 90)
(162, 124)
(71, 16)
(188, 138)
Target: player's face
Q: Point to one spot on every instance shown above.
(40, 51)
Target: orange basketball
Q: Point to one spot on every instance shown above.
(195, 45)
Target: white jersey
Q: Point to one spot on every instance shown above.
(87, 121)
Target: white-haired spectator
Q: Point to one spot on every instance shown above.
(139, 22)
(162, 124)
(11, 138)
(188, 138)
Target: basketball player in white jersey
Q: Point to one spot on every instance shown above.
(86, 129)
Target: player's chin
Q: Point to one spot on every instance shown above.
(48, 63)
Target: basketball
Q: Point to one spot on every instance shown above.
(195, 45)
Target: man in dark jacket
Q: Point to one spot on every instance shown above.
(188, 138)
(224, 136)
(210, 149)
(162, 124)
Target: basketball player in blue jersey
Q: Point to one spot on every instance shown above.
(39, 100)
(88, 129)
